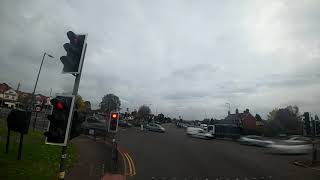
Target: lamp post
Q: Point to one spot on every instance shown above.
(229, 106)
(35, 87)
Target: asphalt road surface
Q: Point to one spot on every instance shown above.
(173, 155)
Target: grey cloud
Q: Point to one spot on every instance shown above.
(170, 54)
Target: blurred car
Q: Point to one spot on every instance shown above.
(155, 127)
(297, 140)
(192, 130)
(204, 126)
(255, 141)
(202, 134)
(94, 126)
(122, 123)
(290, 149)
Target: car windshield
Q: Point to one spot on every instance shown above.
(160, 89)
(93, 120)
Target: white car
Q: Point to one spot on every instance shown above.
(255, 141)
(290, 149)
(298, 140)
(202, 134)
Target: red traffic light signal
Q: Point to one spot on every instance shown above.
(60, 120)
(114, 115)
(113, 122)
(59, 105)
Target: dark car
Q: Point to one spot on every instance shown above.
(155, 127)
(122, 123)
(94, 126)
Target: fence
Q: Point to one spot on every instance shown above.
(41, 122)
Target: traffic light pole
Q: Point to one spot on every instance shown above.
(64, 148)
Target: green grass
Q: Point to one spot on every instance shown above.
(39, 161)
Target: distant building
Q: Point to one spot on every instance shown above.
(8, 96)
(245, 120)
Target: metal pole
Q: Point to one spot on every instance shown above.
(35, 85)
(20, 146)
(64, 148)
(314, 149)
(8, 141)
(35, 120)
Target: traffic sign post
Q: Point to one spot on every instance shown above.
(113, 128)
(18, 120)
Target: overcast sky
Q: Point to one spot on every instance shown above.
(182, 57)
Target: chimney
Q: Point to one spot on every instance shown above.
(228, 112)
(237, 111)
(246, 111)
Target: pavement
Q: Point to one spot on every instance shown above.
(94, 159)
(173, 155)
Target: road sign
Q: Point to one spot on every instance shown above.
(38, 108)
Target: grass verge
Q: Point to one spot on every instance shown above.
(39, 161)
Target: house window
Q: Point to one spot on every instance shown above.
(7, 96)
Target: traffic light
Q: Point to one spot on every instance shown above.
(306, 123)
(75, 50)
(113, 122)
(59, 120)
(77, 120)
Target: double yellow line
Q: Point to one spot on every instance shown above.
(128, 160)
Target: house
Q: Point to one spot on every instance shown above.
(9, 98)
(3, 88)
(40, 99)
(245, 120)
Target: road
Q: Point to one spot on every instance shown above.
(173, 155)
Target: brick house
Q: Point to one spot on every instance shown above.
(245, 120)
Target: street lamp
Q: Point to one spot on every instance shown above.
(34, 89)
(35, 86)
